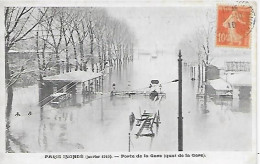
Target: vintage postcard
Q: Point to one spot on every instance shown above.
(124, 82)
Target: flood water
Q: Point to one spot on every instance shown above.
(102, 125)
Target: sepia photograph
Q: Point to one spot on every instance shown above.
(130, 79)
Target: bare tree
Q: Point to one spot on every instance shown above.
(73, 42)
(58, 29)
(67, 31)
(100, 33)
(45, 36)
(19, 22)
(81, 29)
(121, 39)
(111, 30)
(55, 24)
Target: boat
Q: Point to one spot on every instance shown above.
(156, 90)
(154, 56)
(146, 122)
(143, 52)
(153, 91)
(156, 52)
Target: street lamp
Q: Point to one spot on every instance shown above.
(180, 118)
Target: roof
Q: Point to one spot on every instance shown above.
(13, 51)
(76, 76)
(29, 51)
(220, 61)
(155, 81)
(240, 79)
(57, 94)
(220, 84)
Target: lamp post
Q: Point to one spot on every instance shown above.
(180, 118)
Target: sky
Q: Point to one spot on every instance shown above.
(161, 27)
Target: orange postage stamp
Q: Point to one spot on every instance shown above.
(233, 26)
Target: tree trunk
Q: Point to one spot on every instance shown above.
(202, 73)
(43, 53)
(37, 53)
(43, 56)
(99, 54)
(41, 94)
(9, 91)
(57, 62)
(75, 54)
(109, 53)
(81, 54)
(67, 59)
(132, 52)
(91, 51)
(120, 54)
(104, 54)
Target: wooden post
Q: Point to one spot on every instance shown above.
(180, 118)
(198, 77)
(194, 72)
(88, 86)
(92, 85)
(95, 84)
(202, 73)
(83, 91)
(99, 83)
(206, 82)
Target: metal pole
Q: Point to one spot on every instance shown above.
(206, 81)
(198, 77)
(129, 141)
(180, 118)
